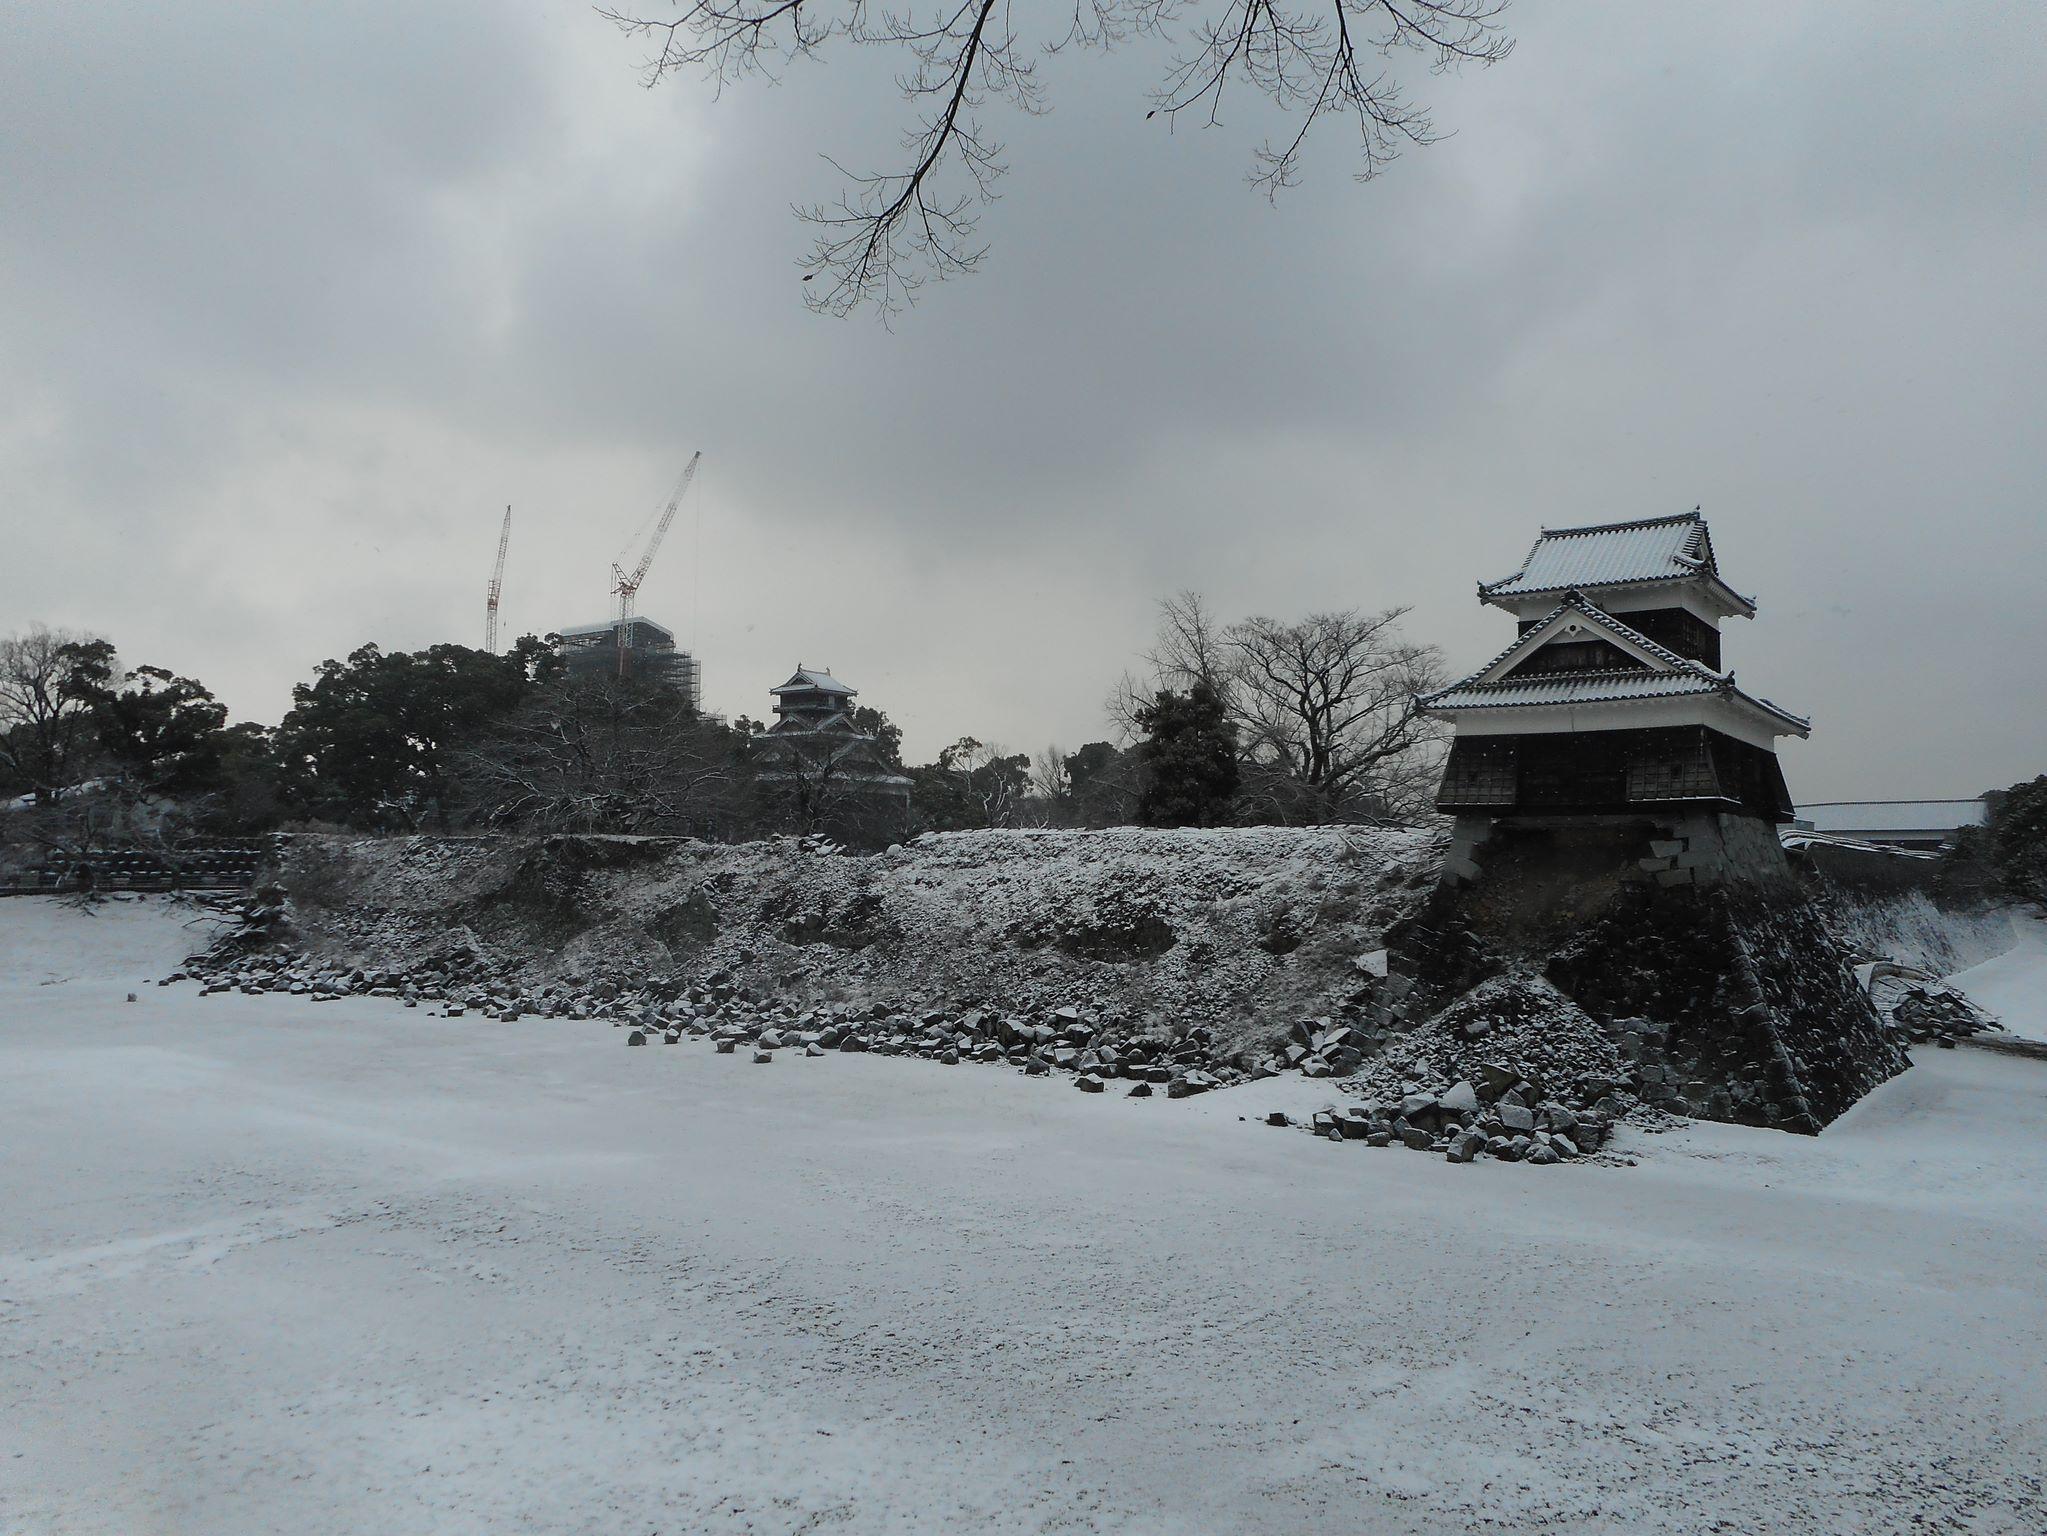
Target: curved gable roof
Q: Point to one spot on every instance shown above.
(1618, 554)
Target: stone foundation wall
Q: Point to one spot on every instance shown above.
(1669, 849)
(1687, 937)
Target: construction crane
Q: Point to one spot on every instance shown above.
(497, 585)
(626, 584)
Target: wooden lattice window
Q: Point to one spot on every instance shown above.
(1479, 773)
(1672, 765)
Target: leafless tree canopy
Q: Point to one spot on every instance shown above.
(1327, 706)
(599, 756)
(1188, 649)
(45, 715)
(811, 781)
(1324, 706)
(979, 783)
(892, 230)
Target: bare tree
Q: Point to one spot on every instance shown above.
(1327, 708)
(891, 231)
(70, 842)
(979, 784)
(1324, 708)
(48, 682)
(1188, 649)
(1051, 779)
(598, 755)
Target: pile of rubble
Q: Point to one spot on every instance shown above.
(1927, 1011)
(1064, 1040)
(1325, 1047)
(1513, 1069)
(1152, 930)
(1068, 1039)
(1508, 1119)
(1498, 1110)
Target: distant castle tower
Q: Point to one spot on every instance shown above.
(826, 772)
(813, 700)
(1611, 706)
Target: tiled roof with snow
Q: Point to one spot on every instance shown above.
(1608, 687)
(1604, 686)
(811, 680)
(1616, 554)
(1574, 688)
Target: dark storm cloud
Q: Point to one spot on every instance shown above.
(294, 303)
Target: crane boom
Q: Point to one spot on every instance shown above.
(627, 583)
(497, 585)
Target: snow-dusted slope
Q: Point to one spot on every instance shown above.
(267, 1265)
(1908, 927)
(2013, 985)
(1245, 928)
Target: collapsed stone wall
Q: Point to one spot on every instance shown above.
(1519, 1014)
(1240, 931)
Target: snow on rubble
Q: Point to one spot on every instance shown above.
(1152, 940)
(1130, 962)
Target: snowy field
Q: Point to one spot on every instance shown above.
(269, 1266)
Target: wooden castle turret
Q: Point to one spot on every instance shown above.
(1608, 732)
(1612, 699)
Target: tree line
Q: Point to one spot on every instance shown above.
(1253, 722)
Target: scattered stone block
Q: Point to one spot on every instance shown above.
(1465, 1147)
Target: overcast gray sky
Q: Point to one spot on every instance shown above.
(293, 300)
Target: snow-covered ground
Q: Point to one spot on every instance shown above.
(2013, 985)
(268, 1265)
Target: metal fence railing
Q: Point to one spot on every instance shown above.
(180, 869)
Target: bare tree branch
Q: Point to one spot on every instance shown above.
(889, 232)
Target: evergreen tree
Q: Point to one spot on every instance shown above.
(48, 681)
(2018, 841)
(888, 736)
(162, 734)
(1086, 765)
(1189, 758)
(368, 741)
